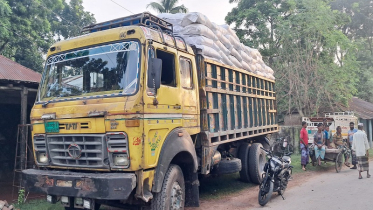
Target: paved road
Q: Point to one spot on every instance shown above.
(328, 190)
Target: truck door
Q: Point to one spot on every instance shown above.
(188, 91)
(163, 110)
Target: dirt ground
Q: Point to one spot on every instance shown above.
(248, 198)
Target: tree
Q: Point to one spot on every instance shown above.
(315, 63)
(359, 29)
(69, 21)
(167, 6)
(316, 68)
(256, 23)
(5, 11)
(28, 34)
(28, 27)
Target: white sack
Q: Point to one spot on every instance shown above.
(199, 30)
(257, 53)
(231, 32)
(236, 54)
(258, 67)
(236, 44)
(177, 29)
(245, 57)
(264, 68)
(199, 40)
(259, 73)
(235, 61)
(222, 30)
(270, 71)
(245, 66)
(175, 19)
(222, 47)
(223, 39)
(208, 51)
(196, 17)
(211, 58)
(225, 59)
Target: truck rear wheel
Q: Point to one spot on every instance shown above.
(243, 155)
(257, 160)
(172, 195)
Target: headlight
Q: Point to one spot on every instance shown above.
(42, 157)
(273, 165)
(121, 160)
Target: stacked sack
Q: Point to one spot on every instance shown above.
(219, 43)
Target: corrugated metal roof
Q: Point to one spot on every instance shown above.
(10, 70)
(361, 108)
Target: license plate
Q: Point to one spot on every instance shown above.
(62, 183)
(52, 127)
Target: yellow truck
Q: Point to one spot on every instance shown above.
(128, 114)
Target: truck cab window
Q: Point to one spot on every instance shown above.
(186, 73)
(168, 68)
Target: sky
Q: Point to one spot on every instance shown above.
(104, 10)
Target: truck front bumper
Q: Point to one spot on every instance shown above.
(106, 186)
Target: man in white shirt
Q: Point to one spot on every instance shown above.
(360, 146)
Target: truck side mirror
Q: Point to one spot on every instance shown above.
(154, 73)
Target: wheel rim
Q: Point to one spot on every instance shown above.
(176, 196)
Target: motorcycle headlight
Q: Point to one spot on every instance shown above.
(273, 165)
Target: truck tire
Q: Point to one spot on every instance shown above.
(257, 160)
(172, 195)
(228, 166)
(243, 155)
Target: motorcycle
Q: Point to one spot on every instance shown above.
(277, 172)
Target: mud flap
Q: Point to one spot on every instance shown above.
(192, 191)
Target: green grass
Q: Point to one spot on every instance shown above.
(39, 205)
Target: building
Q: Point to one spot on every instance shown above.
(364, 111)
(18, 89)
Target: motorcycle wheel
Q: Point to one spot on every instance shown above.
(284, 184)
(265, 191)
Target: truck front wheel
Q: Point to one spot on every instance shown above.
(172, 195)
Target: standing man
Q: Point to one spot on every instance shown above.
(351, 133)
(360, 146)
(304, 146)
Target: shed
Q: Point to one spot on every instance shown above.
(364, 111)
(18, 89)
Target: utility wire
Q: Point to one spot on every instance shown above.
(122, 6)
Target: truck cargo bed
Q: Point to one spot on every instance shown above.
(235, 104)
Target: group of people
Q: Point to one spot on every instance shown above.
(357, 145)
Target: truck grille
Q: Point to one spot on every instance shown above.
(84, 151)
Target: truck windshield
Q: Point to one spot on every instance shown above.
(108, 69)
